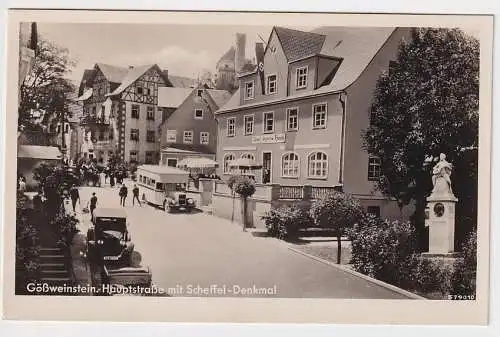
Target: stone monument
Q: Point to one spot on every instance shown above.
(440, 211)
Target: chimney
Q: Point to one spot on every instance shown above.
(239, 59)
(165, 72)
(130, 67)
(259, 52)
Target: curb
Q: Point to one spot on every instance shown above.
(360, 275)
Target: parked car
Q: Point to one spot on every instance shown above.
(108, 240)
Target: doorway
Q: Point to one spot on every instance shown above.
(266, 167)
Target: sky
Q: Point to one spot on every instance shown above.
(185, 50)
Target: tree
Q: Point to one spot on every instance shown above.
(338, 211)
(426, 104)
(45, 88)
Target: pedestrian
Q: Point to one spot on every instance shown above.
(75, 196)
(93, 204)
(123, 195)
(111, 180)
(135, 192)
(22, 185)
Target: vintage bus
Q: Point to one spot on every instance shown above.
(164, 186)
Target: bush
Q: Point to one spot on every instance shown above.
(463, 281)
(285, 222)
(383, 249)
(66, 227)
(231, 181)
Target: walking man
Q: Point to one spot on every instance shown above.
(93, 204)
(75, 196)
(123, 195)
(135, 191)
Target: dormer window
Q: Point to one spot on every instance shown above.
(302, 77)
(271, 86)
(249, 90)
(199, 92)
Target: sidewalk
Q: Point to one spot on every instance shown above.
(81, 270)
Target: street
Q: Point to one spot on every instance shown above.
(202, 255)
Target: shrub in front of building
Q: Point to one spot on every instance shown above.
(245, 188)
(286, 222)
(337, 211)
(464, 277)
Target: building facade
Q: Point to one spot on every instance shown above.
(302, 110)
(121, 115)
(191, 130)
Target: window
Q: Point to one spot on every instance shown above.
(229, 157)
(135, 111)
(94, 110)
(249, 125)
(149, 157)
(171, 136)
(199, 92)
(150, 136)
(101, 91)
(292, 119)
(172, 162)
(139, 90)
(290, 165)
(374, 169)
(231, 127)
(110, 135)
(374, 210)
(133, 155)
(101, 135)
(271, 84)
(151, 113)
(318, 165)
(188, 137)
(249, 90)
(148, 91)
(66, 128)
(198, 113)
(248, 156)
(204, 138)
(302, 77)
(319, 116)
(134, 134)
(268, 122)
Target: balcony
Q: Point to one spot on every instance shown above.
(94, 120)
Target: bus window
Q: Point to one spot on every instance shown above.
(159, 186)
(140, 178)
(153, 182)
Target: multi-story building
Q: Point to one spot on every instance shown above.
(301, 111)
(190, 130)
(120, 112)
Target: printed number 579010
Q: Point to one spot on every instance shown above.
(462, 297)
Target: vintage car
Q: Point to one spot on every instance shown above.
(108, 239)
(178, 201)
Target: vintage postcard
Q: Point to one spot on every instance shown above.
(247, 167)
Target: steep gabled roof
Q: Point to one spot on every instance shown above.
(88, 75)
(220, 97)
(112, 73)
(356, 46)
(133, 75)
(297, 44)
(179, 81)
(169, 97)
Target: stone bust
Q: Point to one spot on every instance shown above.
(441, 174)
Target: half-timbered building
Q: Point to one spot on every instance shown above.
(120, 112)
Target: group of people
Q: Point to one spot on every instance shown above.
(114, 176)
(123, 193)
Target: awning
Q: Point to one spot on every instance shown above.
(197, 163)
(39, 152)
(86, 95)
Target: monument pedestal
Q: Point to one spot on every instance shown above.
(441, 222)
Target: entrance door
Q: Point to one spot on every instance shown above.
(266, 167)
